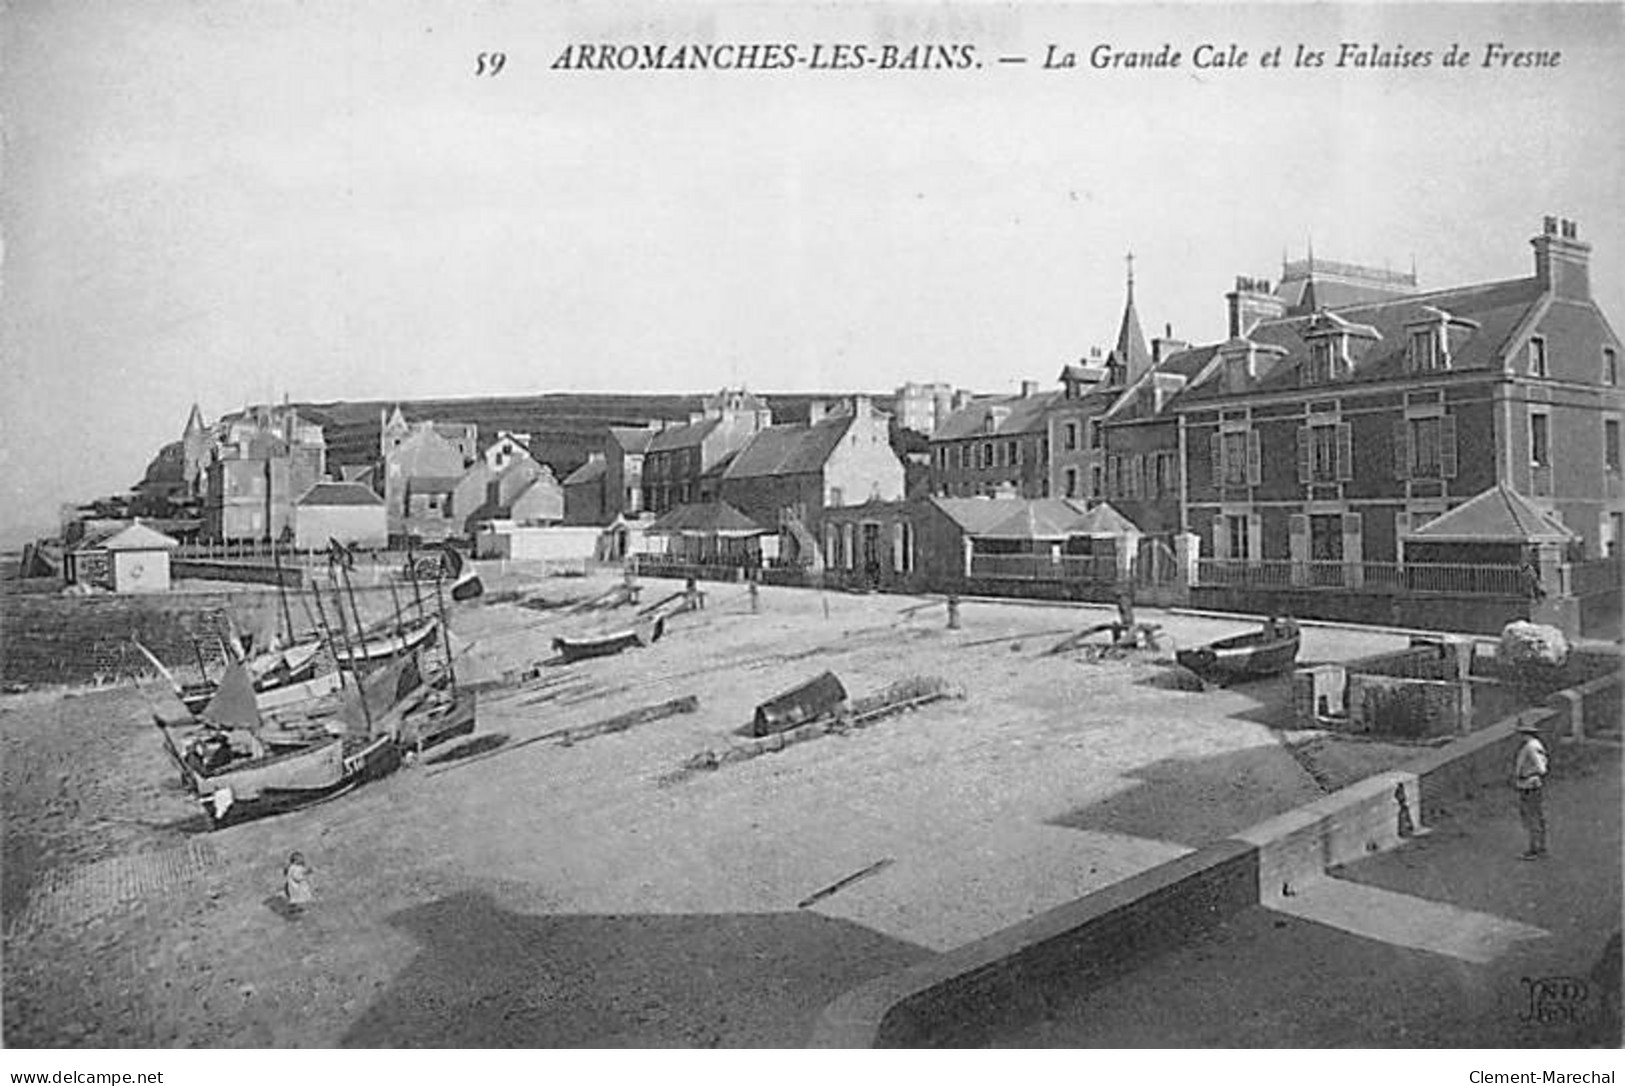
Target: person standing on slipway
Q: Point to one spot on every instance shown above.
(1529, 778)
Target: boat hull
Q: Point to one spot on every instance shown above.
(1240, 659)
(437, 722)
(380, 649)
(583, 648)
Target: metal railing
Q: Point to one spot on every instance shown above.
(1443, 578)
(1042, 567)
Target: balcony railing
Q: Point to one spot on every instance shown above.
(1448, 579)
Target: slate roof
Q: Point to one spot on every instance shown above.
(1103, 520)
(1041, 518)
(976, 515)
(711, 518)
(134, 536)
(1076, 371)
(1027, 413)
(433, 484)
(590, 472)
(790, 449)
(1499, 309)
(686, 436)
(1499, 515)
(340, 494)
(632, 439)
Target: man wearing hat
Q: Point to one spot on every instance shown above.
(1529, 778)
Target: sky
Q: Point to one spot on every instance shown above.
(229, 203)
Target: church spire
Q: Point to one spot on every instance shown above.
(1131, 357)
(194, 421)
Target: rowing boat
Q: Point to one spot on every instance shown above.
(581, 648)
(1256, 655)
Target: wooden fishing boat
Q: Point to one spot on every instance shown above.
(1256, 655)
(379, 648)
(240, 769)
(278, 685)
(444, 715)
(608, 644)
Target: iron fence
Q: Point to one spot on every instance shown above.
(1043, 567)
(1441, 578)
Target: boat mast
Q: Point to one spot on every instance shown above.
(445, 633)
(282, 590)
(327, 630)
(344, 631)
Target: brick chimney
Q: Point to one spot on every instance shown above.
(1029, 388)
(1166, 346)
(1250, 303)
(1562, 260)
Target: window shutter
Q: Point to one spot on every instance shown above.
(1255, 459)
(897, 562)
(1345, 451)
(1111, 477)
(1447, 446)
(1353, 539)
(1305, 468)
(1221, 537)
(1255, 536)
(1298, 536)
(1215, 445)
(1402, 449)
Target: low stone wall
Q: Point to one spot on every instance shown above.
(63, 640)
(1467, 614)
(51, 640)
(961, 997)
(239, 572)
(1336, 829)
(1407, 708)
(1590, 710)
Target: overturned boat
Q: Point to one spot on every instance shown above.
(1256, 655)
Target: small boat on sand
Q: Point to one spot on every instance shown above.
(580, 648)
(1256, 655)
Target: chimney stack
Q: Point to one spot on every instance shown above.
(1562, 260)
(1029, 388)
(1250, 303)
(816, 410)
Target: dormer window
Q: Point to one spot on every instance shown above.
(1325, 356)
(1425, 353)
(1331, 354)
(1537, 357)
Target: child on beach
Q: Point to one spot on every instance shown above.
(296, 883)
